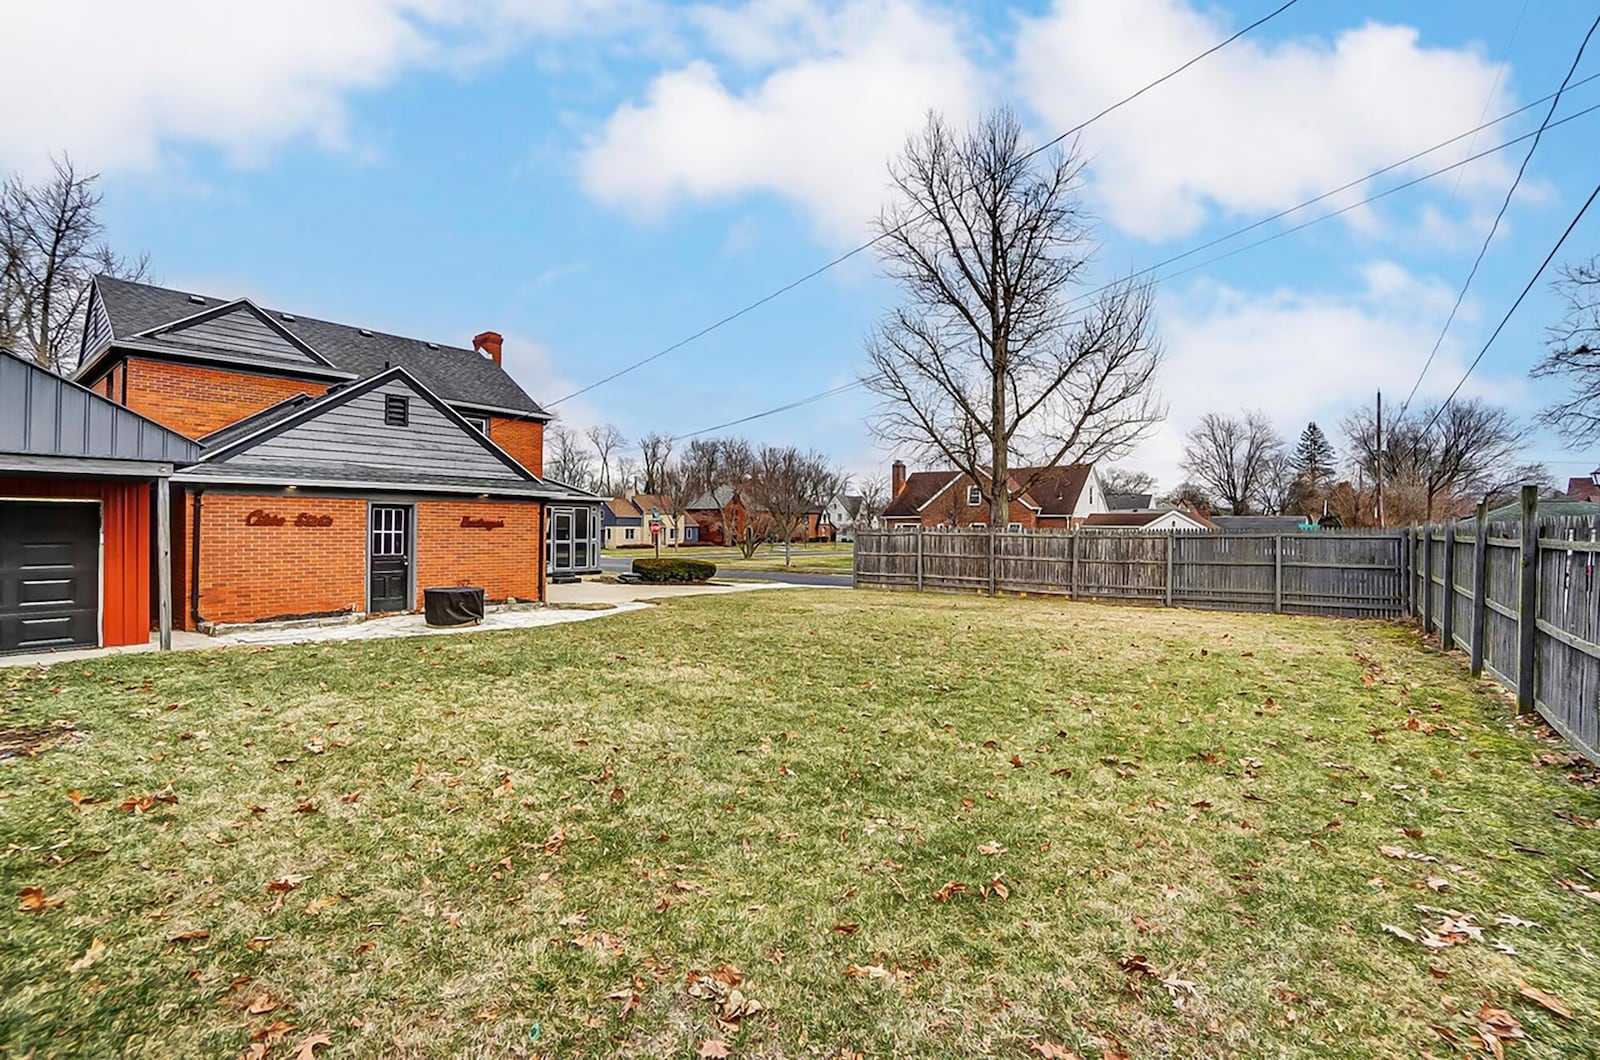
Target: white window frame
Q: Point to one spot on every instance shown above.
(1013, 528)
(479, 424)
(974, 496)
(977, 526)
(627, 533)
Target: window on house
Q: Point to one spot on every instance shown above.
(396, 410)
(974, 496)
(627, 533)
(479, 424)
(1013, 528)
(978, 526)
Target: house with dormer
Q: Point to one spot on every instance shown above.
(341, 469)
(1056, 498)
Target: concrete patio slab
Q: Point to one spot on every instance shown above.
(578, 602)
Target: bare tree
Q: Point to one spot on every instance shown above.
(1574, 346)
(566, 458)
(607, 443)
(720, 468)
(1116, 480)
(1445, 458)
(1278, 487)
(787, 485)
(655, 449)
(677, 490)
(986, 364)
(625, 477)
(874, 496)
(1190, 495)
(1231, 457)
(50, 250)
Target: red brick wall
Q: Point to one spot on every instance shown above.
(253, 573)
(506, 561)
(950, 508)
(523, 439)
(195, 401)
(249, 573)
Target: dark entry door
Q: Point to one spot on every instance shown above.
(49, 576)
(389, 558)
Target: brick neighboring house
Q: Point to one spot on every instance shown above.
(1061, 499)
(722, 515)
(1585, 487)
(342, 470)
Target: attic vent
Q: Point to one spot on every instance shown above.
(197, 300)
(285, 316)
(433, 345)
(366, 332)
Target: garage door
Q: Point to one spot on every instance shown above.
(49, 576)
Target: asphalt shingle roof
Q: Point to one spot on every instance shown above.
(454, 373)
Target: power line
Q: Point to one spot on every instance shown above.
(1256, 243)
(847, 255)
(1252, 226)
(1495, 227)
(1498, 327)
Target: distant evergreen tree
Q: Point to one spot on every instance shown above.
(1313, 456)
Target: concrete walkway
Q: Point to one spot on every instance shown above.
(578, 602)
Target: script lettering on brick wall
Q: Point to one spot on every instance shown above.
(262, 517)
(473, 522)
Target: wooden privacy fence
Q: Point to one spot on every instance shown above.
(1523, 600)
(1323, 572)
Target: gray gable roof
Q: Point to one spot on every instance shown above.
(455, 374)
(343, 438)
(43, 415)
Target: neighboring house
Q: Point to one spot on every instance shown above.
(1130, 502)
(1061, 499)
(1171, 519)
(722, 515)
(1586, 487)
(341, 469)
(1560, 508)
(841, 516)
(1262, 524)
(626, 521)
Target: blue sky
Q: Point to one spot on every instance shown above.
(597, 179)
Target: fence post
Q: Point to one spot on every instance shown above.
(1277, 573)
(1447, 621)
(1072, 582)
(919, 557)
(1528, 600)
(1427, 579)
(992, 535)
(1480, 571)
(1172, 539)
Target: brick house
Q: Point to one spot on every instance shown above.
(722, 515)
(1585, 487)
(341, 470)
(1061, 499)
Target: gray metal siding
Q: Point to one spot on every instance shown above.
(355, 434)
(42, 414)
(241, 333)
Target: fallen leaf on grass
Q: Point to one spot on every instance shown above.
(260, 1005)
(713, 1048)
(1400, 933)
(1581, 889)
(272, 1032)
(995, 888)
(949, 890)
(96, 950)
(1053, 1051)
(34, 900)
(846, 929)
(991, 849)
(317, 905)
(1545, 1000)
(197, 935)
(1495, 1026)
(141, 803)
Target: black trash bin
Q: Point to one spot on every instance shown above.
(452, 606)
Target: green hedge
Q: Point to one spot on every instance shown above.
(673, 569)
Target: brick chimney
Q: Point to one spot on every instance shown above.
(897, 479)
(488, 342)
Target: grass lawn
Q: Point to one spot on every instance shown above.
(817, 558)
(796, 824)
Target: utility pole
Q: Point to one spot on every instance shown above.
(1378, 463)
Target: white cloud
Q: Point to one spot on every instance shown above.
(1254, 128)
(1302, 355)
(113, 84)
(820, 128)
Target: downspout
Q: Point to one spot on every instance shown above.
(194, 562)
